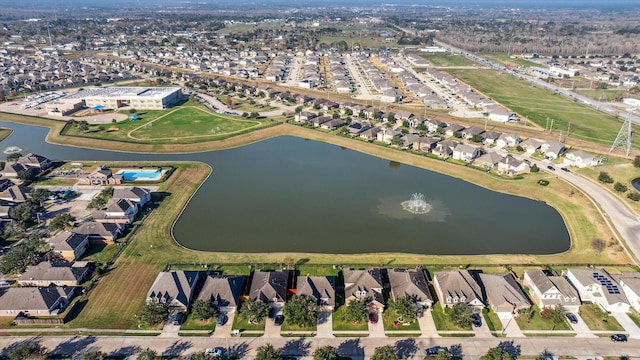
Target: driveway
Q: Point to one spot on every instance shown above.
(170, 330)
(629, 326)
(224, 331)
(510, 327)
(427, 325)
(376, 330)
(271, 330)
(325, 325)
(581, 328)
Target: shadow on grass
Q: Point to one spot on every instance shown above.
(296, 347)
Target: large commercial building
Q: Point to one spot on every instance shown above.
(142, 98)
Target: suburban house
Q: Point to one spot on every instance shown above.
(5, 208)
(364, 285)
(471, 131)
(503, 294)
(102, 177)
(135, 194)
(371, 133)
(488, 160)
(5, 184)
(598, 287)
(34, 301)
(16, 193)
(387, 135)
(223, 291)
(412, 283)
(333, 124)
(551, 291)
(99, 232)
(33, 161)
(580, 159)
(452, 129)
(512, 167)
(70, 245)
(321, 288)
(270, 287)
(457, 286)
(490, 137)
(630, 285)
(552, 149)
(500, 113)
(465, 152)
(356, 127)
(444, 148)
(317, 121)
(46, 273)
(120, 211)
(531, 144)
(434, 125)
(305, 116)
(175, 288)
(425, 144)
(509, 140)
(11, 170)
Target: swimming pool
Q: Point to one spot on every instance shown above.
(140, 174)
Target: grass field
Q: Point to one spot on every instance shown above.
(339, 324)
(443, 321)
(492, 320)
(389, 316)
(533, 321)
(508, 60)
(538, 105)
(603, 95)
(241, 323)
(193, 323)
(448, 60)
(621, 171)
(596, 319)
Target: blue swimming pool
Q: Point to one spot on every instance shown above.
(141, 174)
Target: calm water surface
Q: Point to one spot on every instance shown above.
(292, 195)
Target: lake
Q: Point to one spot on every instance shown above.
(293, 195)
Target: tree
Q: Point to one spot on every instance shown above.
(356, 311)
(254, 114)
(26, 175)
(604, 177)
(203, 356)
(476, 138)
(634, 196)
(301, 311)
(497, 353)
(636, 161)
(443, 355)
(39, 195)
(62, 221)
(535, 168)
(203, 310)
(298, 109)
(387, 352)
(556, 315)
(154, 313)
(325, 353)
(13, 157)
(254, 310)
(132, 111)
(27, 350)
(461, 314)
(598, 245)
(229, 102)
(267, 352)
(406, 308)
(25, 213)
(146, 354)
(94, 355)
(620, 187)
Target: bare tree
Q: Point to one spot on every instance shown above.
(598, 245)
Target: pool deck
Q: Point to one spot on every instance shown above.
(160, 173)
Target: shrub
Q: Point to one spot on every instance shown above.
(604, 177)
(634, 196)
(620, 187)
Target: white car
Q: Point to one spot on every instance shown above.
(214, 351)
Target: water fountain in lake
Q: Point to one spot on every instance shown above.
(12, 150)
(416, 205)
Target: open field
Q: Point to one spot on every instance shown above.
(538, 104)
(621, 171)
(602, 95)
(448, 60)
(508, 60)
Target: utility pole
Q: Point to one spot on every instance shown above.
(551, 127)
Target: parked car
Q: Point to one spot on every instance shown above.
(177, 320)
(214, 351)
(572, 318)
(564, 169)
(619, 337)
(433, 351)
(373, 318)
(279, 320)
(222, 319)
(476, 320)
(551, 168)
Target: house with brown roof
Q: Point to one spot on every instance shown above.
(512, 167)
(11, 170)
(60, 274)
(175, 288)
(458, 286)
(321, 288)
(101, 177)
(16, 193)
(35, 301)
(223, 291)
(70, 245)
(270, 287)
(34, 161)
(503, 294)
(99, 232)
(120, 211)
(489, 160)
(364, 285)
(551, 291)
(412, 283)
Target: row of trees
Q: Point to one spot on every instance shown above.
(605, 178)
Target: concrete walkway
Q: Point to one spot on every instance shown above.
(483, 331)
(629, 326)
(224, 331)
(427, 325)
(376, 330)
(325, 325)
(581, 328)
(510, 328)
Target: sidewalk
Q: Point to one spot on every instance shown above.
(427, 325)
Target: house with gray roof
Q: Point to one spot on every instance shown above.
(580, 159)
(457, 286)
(552, 149)
(551, 291)
(16, 193)
(489, 160)
(69, 245)
(512, 167)
(35, 161)
(99, 232)
(465, 152)
(598, 287)
(223, 291)
(35, 301)
(364, 285)
(175, 288)
(60, 274)
(503, 294)
(119, 211)
(270, 287)
(11, 170)
(135, 194)
(321, 288)
(412, 283)
(630, 285)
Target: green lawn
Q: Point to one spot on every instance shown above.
(443, 321)
(492, 320)
(339, 324)
(192, 323)
(506, 59)
(533, 321)
(539, 104)
(389, 316)
(100, 252)
(287, 326)
(596, 319)
(605, 95)
(633, 315)
(448, 60)
(241, 323)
